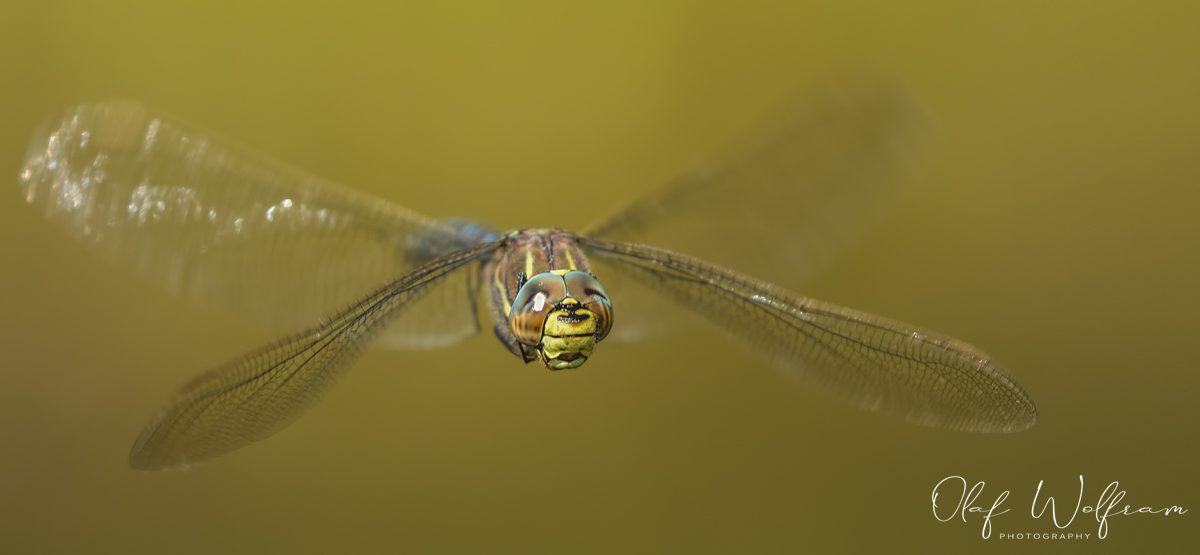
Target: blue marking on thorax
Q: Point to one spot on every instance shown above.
(473, 229)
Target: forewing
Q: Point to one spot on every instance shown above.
(440, 317)
(257, 395)
(226, 229)
(873, 363)
(789, 196)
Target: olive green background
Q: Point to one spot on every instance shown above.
(1057, 230)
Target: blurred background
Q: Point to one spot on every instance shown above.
(1057, 230)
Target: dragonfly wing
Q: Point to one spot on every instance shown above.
(641, 313)
(257, 395)
(438, 316)
(225, 228)
(794, 193)
(873, 363)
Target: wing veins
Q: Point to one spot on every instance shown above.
(875, 363)
(825, 346)
(780, 314)
(169, 441)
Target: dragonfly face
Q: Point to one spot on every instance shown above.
(559, 314)
(562, 314)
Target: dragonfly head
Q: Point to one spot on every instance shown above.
(562, 314)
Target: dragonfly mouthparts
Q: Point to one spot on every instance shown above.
(570, 357)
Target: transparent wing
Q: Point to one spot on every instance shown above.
(873, 363)
(440, 317)
(257, 395)
(224, 228)
(789, 196)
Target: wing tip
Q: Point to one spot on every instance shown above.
(148, 455)
(64, 149)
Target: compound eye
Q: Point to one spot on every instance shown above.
(536, 299)
(585, 289)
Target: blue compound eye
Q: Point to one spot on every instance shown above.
(585, 289)
(536, 299)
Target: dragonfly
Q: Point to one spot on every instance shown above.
(240, 233)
